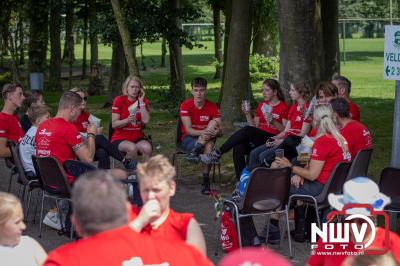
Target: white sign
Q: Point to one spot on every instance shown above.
(391, 65)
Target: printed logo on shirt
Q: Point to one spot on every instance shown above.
(137, 261)
(114, 108)
(204, 118)
(299, 118)
(43, 153)
(2, 131)
(314, 152)
(78, 136)
(44, 132)
(275, 116)
(45, 142)
(184, 112)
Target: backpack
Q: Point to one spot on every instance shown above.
(228, 234)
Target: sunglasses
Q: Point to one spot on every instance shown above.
(85, 98)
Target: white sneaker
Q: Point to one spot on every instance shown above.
(52, 219)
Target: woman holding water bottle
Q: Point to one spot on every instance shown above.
(130, 112)
(270, 119)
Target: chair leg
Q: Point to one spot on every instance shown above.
(268, 223)
(288, 230)
(219, 174)
(213, 173)
(10, 180)
(37, 203)
(317, 214)
(238, 227)
(41, 216)
(217, 248)
(28, 205)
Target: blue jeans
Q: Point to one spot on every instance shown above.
(259, 154)
(188, 143)
(312, 188)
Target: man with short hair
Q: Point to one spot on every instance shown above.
(357, 135)
(344, 87)
(10, 127)
(59, 137)
(201, 124)
(100, 216)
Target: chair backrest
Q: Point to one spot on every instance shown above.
(360, 164)
(389, 182)
(110, 131)
(17, 162)
(52, 176)
(335, 182)
(77, 168)
(267, 190)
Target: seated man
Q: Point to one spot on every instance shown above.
(201, 123)
(357, 135)
(10, 128)
(344, 88)
(100, 216)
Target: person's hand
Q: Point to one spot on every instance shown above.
(150, 212)
(246, 112)
(296, 181)
(131, 118)
(282, 162)
(91, 129)
(277, 142)
(211, 131)
(141, 95)
(99, 130)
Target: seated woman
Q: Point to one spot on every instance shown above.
(129, 113)
(296, 128)
(104, 149)
(270, 120)
(16, 249)
(329, 149)
(155, 218)
(32, 99)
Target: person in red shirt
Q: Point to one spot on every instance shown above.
(356, 134)
(130, 112)
(156, 218)
(10, 127)
(100, 217)
(59, 137)
(329, 149)
(201, 124)
(344, 87)
(270, 119)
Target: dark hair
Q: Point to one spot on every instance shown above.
(303, 89)
(199, 82)
(327, 88)
(31, 97)
(36, 112)
(9, 88)
(341, 107)
(343, 82)
(275, 86)
(70, 99)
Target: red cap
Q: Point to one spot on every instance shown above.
(254, 257)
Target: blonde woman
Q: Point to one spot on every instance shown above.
(156, 218)
(16, 249)
(129, 112)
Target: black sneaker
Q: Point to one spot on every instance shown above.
(211, 158)
(205, 189)
(193, 157)
(129, 164)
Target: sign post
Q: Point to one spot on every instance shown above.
(391, 71)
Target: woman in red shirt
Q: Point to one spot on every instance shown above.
(270, 120)
(156, 218)
(130, 112)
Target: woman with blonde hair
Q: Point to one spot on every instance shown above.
(16, 249)
(130, 112)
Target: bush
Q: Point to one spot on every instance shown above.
(262, 67)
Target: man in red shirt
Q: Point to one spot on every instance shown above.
(100, 216)
(10, 128)
(344, 88)
(356, 134)
(201, 124)
(59, 137)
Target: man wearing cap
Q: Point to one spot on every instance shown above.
(360, 190)
(10, 127)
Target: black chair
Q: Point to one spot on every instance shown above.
(54, 185)
(179, 151)
(389, 185)
(27, 183)
(333, 185)
(360, 164)
(266, 193)
(13, 171)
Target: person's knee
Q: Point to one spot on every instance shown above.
(145, 148)
(129, 148)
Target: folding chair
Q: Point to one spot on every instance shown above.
(266, 193)
(333, 185)
(179, 151)
(54, 185)
(13, 171)
(389, 185)
(360, 164)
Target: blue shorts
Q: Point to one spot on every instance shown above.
(188, 143)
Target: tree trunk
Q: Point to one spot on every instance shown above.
(55, 45)
(164, 51)
(217, 41)
(299, 40)
(95, 85)
(177, 82)
(228, 16)
(265, 28)
(69, 52)
(21, 36)
(117, 74)
(129, 48)
(38, 35)
(85, 36)
(329, 17)
(237, 79)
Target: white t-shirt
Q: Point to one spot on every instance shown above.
(26, 253)
(27, 148)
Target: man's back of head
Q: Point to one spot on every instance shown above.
(341, 107)
(343, 84)
(69, 99)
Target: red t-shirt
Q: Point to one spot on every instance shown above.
(321, 259)
(354, 111)
(358, 137)
(313, 132)
(10, 127)
(56, 137)
(199, 117)
(279, 112)
(327, 149)
(173, 228)
(296, 118)
(131, 131)
(123, 246)
(82, 122)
